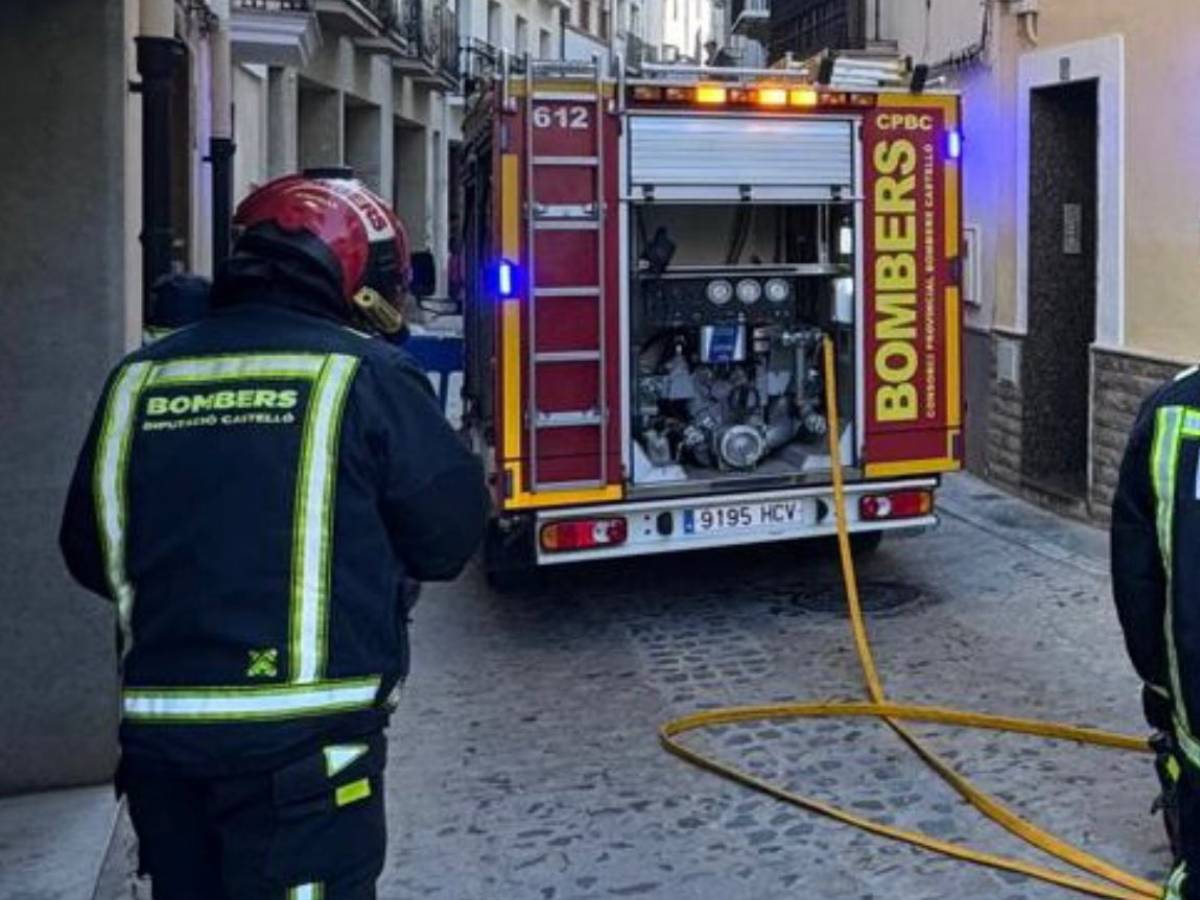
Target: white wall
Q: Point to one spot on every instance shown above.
(687, 25)
(928, 33)
(538, 15)
(249, 129)
(653, 16)
(578, 45)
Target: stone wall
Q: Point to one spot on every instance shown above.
(977, 383)
(62, 265)
(1120, 383)
(1005, 413)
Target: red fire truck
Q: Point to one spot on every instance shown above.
(657, 259)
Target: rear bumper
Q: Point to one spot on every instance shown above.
(669, 525)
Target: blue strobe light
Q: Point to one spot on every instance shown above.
(954, 142)
(505, 278)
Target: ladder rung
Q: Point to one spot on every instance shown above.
(577, 419)
(564, 210)
(566, 161)
(567, 356)
(593, 291)
(566, 224)
(568, 97)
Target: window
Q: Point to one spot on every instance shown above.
(585, 15)
(521, 42)
(605, 23)
(546, 45)
(495, 24)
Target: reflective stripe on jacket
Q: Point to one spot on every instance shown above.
(253, 494)
(1156, 572)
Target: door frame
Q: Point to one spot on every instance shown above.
(1101, 60)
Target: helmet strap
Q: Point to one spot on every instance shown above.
(380, 314)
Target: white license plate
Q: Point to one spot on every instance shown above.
(768, 515)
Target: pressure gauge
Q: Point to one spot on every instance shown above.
(777, 290)
(719, 292)
(749, 291)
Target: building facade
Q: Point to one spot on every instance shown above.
(515, 27)
(1080, 207)
(1081, 201)
(369, 85)
(366, 83)
(805, 27)
(64, 277)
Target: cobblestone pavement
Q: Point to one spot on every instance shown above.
(525, 762)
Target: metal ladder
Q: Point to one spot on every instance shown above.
(584, 216)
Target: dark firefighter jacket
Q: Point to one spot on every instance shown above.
(252, 493)
(1155, 563)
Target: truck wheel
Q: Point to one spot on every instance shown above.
(865, 543)
(508, 559)
(511, 581)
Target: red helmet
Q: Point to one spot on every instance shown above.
(364, 240)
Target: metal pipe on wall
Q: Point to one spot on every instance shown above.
(158, 56)
(221, 145)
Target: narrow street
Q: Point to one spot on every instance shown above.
(525, 761)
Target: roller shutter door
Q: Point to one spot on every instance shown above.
(740, 158)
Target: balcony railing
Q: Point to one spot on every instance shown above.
(636, 51)
(806, 27)
(428, 30)
(274, 32)
(302, 6)
(751, 18)
(751, 7)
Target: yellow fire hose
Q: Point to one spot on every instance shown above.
(1114, 882)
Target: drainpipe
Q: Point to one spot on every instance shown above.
(158, 55)
(221, 146)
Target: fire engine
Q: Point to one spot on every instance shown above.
(658, 258)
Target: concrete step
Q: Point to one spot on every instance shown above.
(53, 844)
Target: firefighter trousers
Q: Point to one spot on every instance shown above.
(1184, 882)
(312, 830)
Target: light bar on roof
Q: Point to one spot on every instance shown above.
(772, 96)
(804, 97)
(711, 94)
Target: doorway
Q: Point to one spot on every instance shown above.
(1056, 369)
(410, 181)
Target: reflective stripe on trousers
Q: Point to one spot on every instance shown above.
(1174, 886)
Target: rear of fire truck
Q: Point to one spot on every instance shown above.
(658, 260)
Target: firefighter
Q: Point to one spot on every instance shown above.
(180, 300)
(252, 495)
(1156, 583)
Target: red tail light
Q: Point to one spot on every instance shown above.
(583, 534)
(900, 505)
